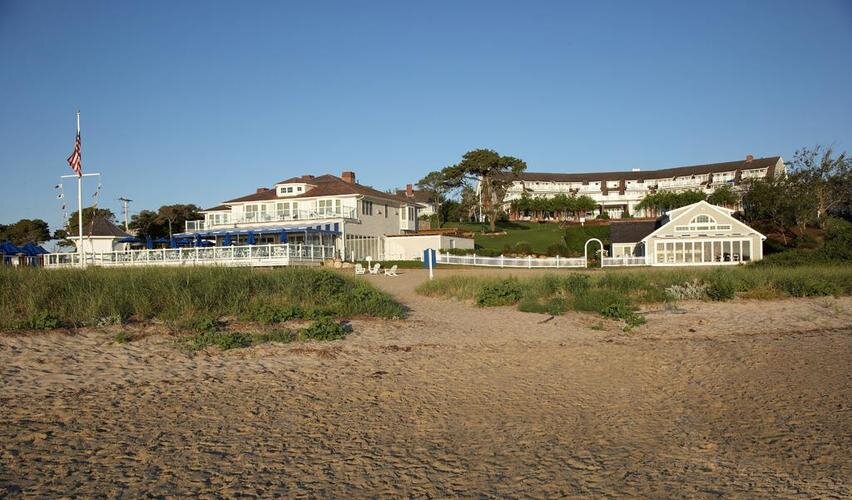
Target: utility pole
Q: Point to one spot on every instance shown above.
(125, 202)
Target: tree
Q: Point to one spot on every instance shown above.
(174, 217)
(828, 178)
(662, 201)
(89, 213)
(495, 174)
(468, 201)
(436, 184)
(723, 196)
(25, 231)
(166, 221)
(767, 201)
(146, 223)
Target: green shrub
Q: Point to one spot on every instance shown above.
(282, 336)
(721, 286)
(531, 305)
(42, 320)
(624, 312)
(523, 248)
(557, 306)
(326, 329)
(596, 300)
(500, 293)
(559, 249)
(807, 286)
(122, 337)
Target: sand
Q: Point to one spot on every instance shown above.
(737, 399)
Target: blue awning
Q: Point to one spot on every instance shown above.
(277, 230)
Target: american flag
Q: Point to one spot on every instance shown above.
(75, 160)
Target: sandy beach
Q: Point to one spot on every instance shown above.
(740, 399)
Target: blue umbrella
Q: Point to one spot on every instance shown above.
(227, 241)
(173, 242)
(149, 243)
(282, 238)
(250, 240)
(198, 240)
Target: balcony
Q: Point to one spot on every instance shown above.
(264, 217)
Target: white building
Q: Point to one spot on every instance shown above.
(100, 236)
(322, 210)
(697, 234)
(426, 204)
(617, 193)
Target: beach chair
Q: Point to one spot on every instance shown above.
(359, 269)
(375, 268)
(391, 271)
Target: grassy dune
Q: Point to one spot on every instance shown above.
(617, 294)
(38, 298)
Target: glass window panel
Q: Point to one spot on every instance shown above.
(746, 250)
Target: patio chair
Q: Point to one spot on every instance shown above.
(359, 269)
(375, 268)
(391, 271)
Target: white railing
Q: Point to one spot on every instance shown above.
(623, 261)
(245, 255)
(528, 262)
(262, 217)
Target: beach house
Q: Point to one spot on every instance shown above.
(697, 234)
(324, 210)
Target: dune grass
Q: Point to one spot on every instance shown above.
(618, 293)
(188, 297)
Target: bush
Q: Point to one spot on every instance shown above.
(500, 293)
(326, 329)
(523, 248)
(603, 216)
(557, 249)
(721, 286)
(691, 290)
(42, 320)
(623, 312)
(596, 300)
(798, 286)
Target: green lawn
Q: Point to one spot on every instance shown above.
(539, 236)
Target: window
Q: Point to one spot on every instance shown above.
(282, 210)
(386, 210)
(366, 207)
(411, 213)
(251, 212)
(328, 207)
(403, 213)
(703, 223)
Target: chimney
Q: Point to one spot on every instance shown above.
(261, 190)
(348, 177)
(409, 190)
(749, 158)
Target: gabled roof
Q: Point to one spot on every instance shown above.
(673, 215)
(324, 185)
(632, 231)
(101, 226)
(687, 171)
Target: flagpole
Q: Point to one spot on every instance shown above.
(80, 207)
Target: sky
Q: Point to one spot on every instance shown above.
(199, 102)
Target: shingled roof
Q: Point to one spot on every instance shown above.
(687, 171)
(324, 185)
(632, 231)
(101, 226)
(420, 195)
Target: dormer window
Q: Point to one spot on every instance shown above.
(291, 189)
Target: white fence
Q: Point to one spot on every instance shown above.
(623, 261)
(244, 255)
(528, 262)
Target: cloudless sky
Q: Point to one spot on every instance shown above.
(199, 102)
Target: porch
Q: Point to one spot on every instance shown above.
(268, 255)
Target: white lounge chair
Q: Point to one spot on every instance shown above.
(391, 271)
(359, 269)
(375, 268)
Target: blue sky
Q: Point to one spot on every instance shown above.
(204, 101)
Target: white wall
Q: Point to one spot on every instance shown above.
(412, 247)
